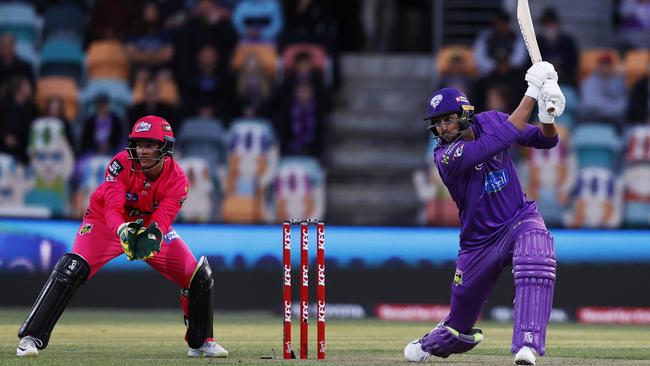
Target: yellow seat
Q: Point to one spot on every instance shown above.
(107, 60)
(636, 63)
(168, 92)
(445, 55)
(64, 87)
(589, 60)
(267, 55)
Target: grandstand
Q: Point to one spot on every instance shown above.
(280, 114)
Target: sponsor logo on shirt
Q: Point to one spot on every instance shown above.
(115, 167)
(143, 127)
(458, 277)
(170, 236)
(131, 196)
(459, 151)
(495, 181)
(478, 167)
(110, 178)
(85, 229)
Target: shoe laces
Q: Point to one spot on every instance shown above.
(37, 342)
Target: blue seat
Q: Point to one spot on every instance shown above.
(21, 20)
(637, 214)
(66, 21)
(205, 138)
(119, 93)
(569, 116)
(62, 57)
(596, 145)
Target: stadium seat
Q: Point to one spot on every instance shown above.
(597, 200)
(91, 172)
(317, 52)
(589, 60)
(12, 182)
(205, 138)
(52, 161)
(107, 59)
(266, 53)
(299, 189)
(200, 206)
(119, 93)
(168, 91)
(26, 52)
(252, 162)
(637, 145)
(264, 15)
(21, 20)
(568, 118)
(445, 54)
(62, 57)
(549, 177)
(64, 21)
(64, 87)
(636, 63)
(596, 145)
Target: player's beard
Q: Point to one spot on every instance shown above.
(449, 138)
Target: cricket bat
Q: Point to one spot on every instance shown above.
(528, 33)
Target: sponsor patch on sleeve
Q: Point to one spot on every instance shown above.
(85, 229)
(115, 168)
(170, 236)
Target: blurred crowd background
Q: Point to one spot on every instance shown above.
(312, 108)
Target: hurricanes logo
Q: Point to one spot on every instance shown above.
(436, 100)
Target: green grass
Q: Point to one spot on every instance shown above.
(127, 337)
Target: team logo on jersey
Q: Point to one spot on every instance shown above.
(170, 236)
(131, 196)
(115, 167)
(495, 181)
(143, 127)
(458, 277)
(436, 100)
(85, 229)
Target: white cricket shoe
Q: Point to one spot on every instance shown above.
(525, 356)
(210, 348)
(413, 352)
(27, 347)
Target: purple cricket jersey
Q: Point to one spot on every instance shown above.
(482, 180)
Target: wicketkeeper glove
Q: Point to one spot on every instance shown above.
(148, 242)
(128, 233)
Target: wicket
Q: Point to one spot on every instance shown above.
(304, 287)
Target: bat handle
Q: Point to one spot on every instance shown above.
(550, 107)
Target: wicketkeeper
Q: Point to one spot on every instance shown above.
(499, 226)
(131, 213)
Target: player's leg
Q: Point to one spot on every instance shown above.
(533, 265)
(69, 272)
(476, 274)
(91, 250)
(176, 262)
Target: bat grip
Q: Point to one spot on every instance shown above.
(550, 107)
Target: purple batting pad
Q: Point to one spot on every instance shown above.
(442, 341)
(533, 265)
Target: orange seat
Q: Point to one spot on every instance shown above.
(266, 53)
(445, 54)
(65, 87)
(107, 60)
(317, 52)
(589, 60)
(636, 63)
(168, 92)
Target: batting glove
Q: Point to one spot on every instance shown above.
(536, 75)
(550, 94)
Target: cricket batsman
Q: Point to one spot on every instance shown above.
(499, 226)
(131, 213)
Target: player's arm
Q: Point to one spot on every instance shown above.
(460, 157)
(171, 204)
(115, 193)
(544, 137)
